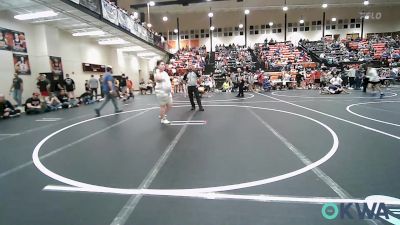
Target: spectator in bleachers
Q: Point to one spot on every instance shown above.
(7, 110)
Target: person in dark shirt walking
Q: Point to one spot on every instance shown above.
(109, 92)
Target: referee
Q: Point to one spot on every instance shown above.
(191, 78)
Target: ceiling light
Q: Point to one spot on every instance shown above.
(89, 33)
(146, 54)
(165, 18)
(334, 19)
(36, 15)
(366, 17)
(112, 41)
(301, 21)
(175, 31)
(149, 25)
(246, 12)
(285, 8)
(152, 3)
(324, 5)
(132, 49)
(366, 2)
(240, 26)
(135, 15)
(212, 28)
(210, 14)
(271, 24)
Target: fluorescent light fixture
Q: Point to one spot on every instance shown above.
(142, 54)
(301, 21)
(152, 3)
(210, 14)
(132, 49)
(240, 26)
(212, 28)
(89, 33)
(113, 41)
(175, 31)
(271, 24)
(246, 12)
(324, 5)
(285, 8)
(366, 2)
(36, 15)
(165, 18)
(334, 19)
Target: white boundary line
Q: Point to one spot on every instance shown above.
(42, 120)
(335, 96)
(216, 101)
(53, 152)
(131, 204)
(224, 196)
(45, 126)
(97, 188)
(320, 174)
(335, 117)
(369, 118)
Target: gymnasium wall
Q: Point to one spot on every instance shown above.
(388, 22)
(44, 41)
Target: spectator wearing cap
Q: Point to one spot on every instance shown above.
(33, 105)
(7, 109)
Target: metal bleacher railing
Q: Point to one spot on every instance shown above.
(118, 18)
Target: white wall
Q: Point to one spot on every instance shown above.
(44, 41)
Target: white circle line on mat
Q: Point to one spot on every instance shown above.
(333, 96)
(369, 118)
(103, 189)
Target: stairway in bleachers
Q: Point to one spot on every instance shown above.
(254, 59)
(210, 63)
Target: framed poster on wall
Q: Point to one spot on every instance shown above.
(21, 64)
(12, 40)
(56, 65)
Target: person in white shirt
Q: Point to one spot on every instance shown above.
(335, 87)
(352, 76)
(163, 91)
(374, 80)
(337, 81)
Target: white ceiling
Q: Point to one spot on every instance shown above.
(232, 5)
(69, 19)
